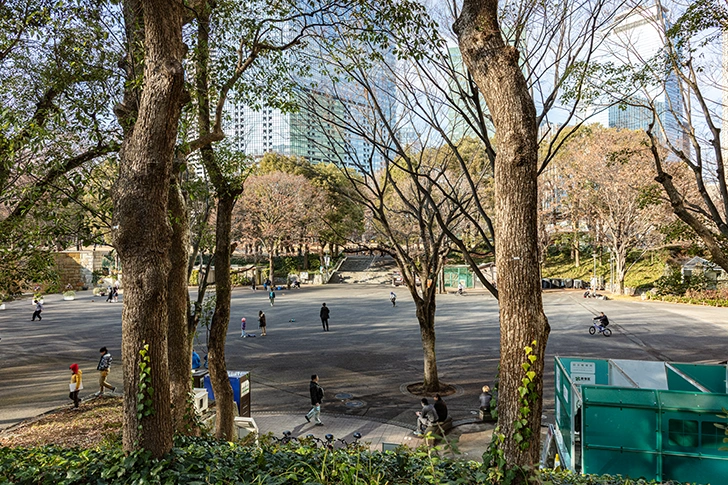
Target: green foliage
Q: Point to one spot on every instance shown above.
(194, 277)
(21, 265)
(494, 458)
(724, 427)
(207, 310)
(527, 396)
(671, 283)
(205, 460)
(239, 279)
(145, 394)
(675, 284)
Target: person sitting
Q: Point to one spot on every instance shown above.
(440, 408)
(426, 417)
(485, 399)
(601, 320)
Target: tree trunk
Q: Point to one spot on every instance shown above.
(620, 269)
(143, 236)
(270, 265)
(575, 242)
(180, 334)
(220, 321)
(497, 73)
(426, 319)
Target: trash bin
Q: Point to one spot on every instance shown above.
(240, 382)
(197, 377)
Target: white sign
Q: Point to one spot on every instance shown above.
(566, 393)
(583, 373)
(583, 367)
(244, 387)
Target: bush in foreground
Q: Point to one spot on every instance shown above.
(203, 460)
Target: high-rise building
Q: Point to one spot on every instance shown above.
(457, 126)
(312, 132)
(637, 38)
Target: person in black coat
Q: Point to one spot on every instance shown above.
(440, 408)
(317, 397)
(324, 314)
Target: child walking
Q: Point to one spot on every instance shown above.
(242, 328)
(75, 385)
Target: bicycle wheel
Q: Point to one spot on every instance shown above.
(592, 330)
(607, 332)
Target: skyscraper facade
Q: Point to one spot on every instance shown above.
(637, 38)
(315, 131)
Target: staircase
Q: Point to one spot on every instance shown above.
(365, 269)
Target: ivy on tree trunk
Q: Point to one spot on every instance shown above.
(496, 70)
(143, 233)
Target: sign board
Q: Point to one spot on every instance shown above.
(583, 379)
(583, 372)
(583, 367)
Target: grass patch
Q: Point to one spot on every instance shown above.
(643, 274)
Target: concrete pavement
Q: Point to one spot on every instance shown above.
(471, 439)
(371, 354)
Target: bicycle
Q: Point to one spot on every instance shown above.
(598, 328)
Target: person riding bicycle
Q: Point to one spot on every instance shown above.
(601, 320)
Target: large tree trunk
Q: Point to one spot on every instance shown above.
(498, 75)
(220, 321)
(180, 333)
(426, 319)
(143, 236)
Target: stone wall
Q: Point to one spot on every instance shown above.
(77, 267)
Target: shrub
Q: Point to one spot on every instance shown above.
(205, 460)
(671, 284)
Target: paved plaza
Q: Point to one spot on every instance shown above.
(371, 353)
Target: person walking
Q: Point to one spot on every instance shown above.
(261, 323)
(324, 314)
(317, 397)
(393, 298)
(75, 385)
(104, 368)
(110, 296)
(38, 310)
(242, 328)
(426, 417)
(272, 296)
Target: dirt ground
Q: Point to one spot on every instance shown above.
(95, 421)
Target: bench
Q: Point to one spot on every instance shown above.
(440, 427)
